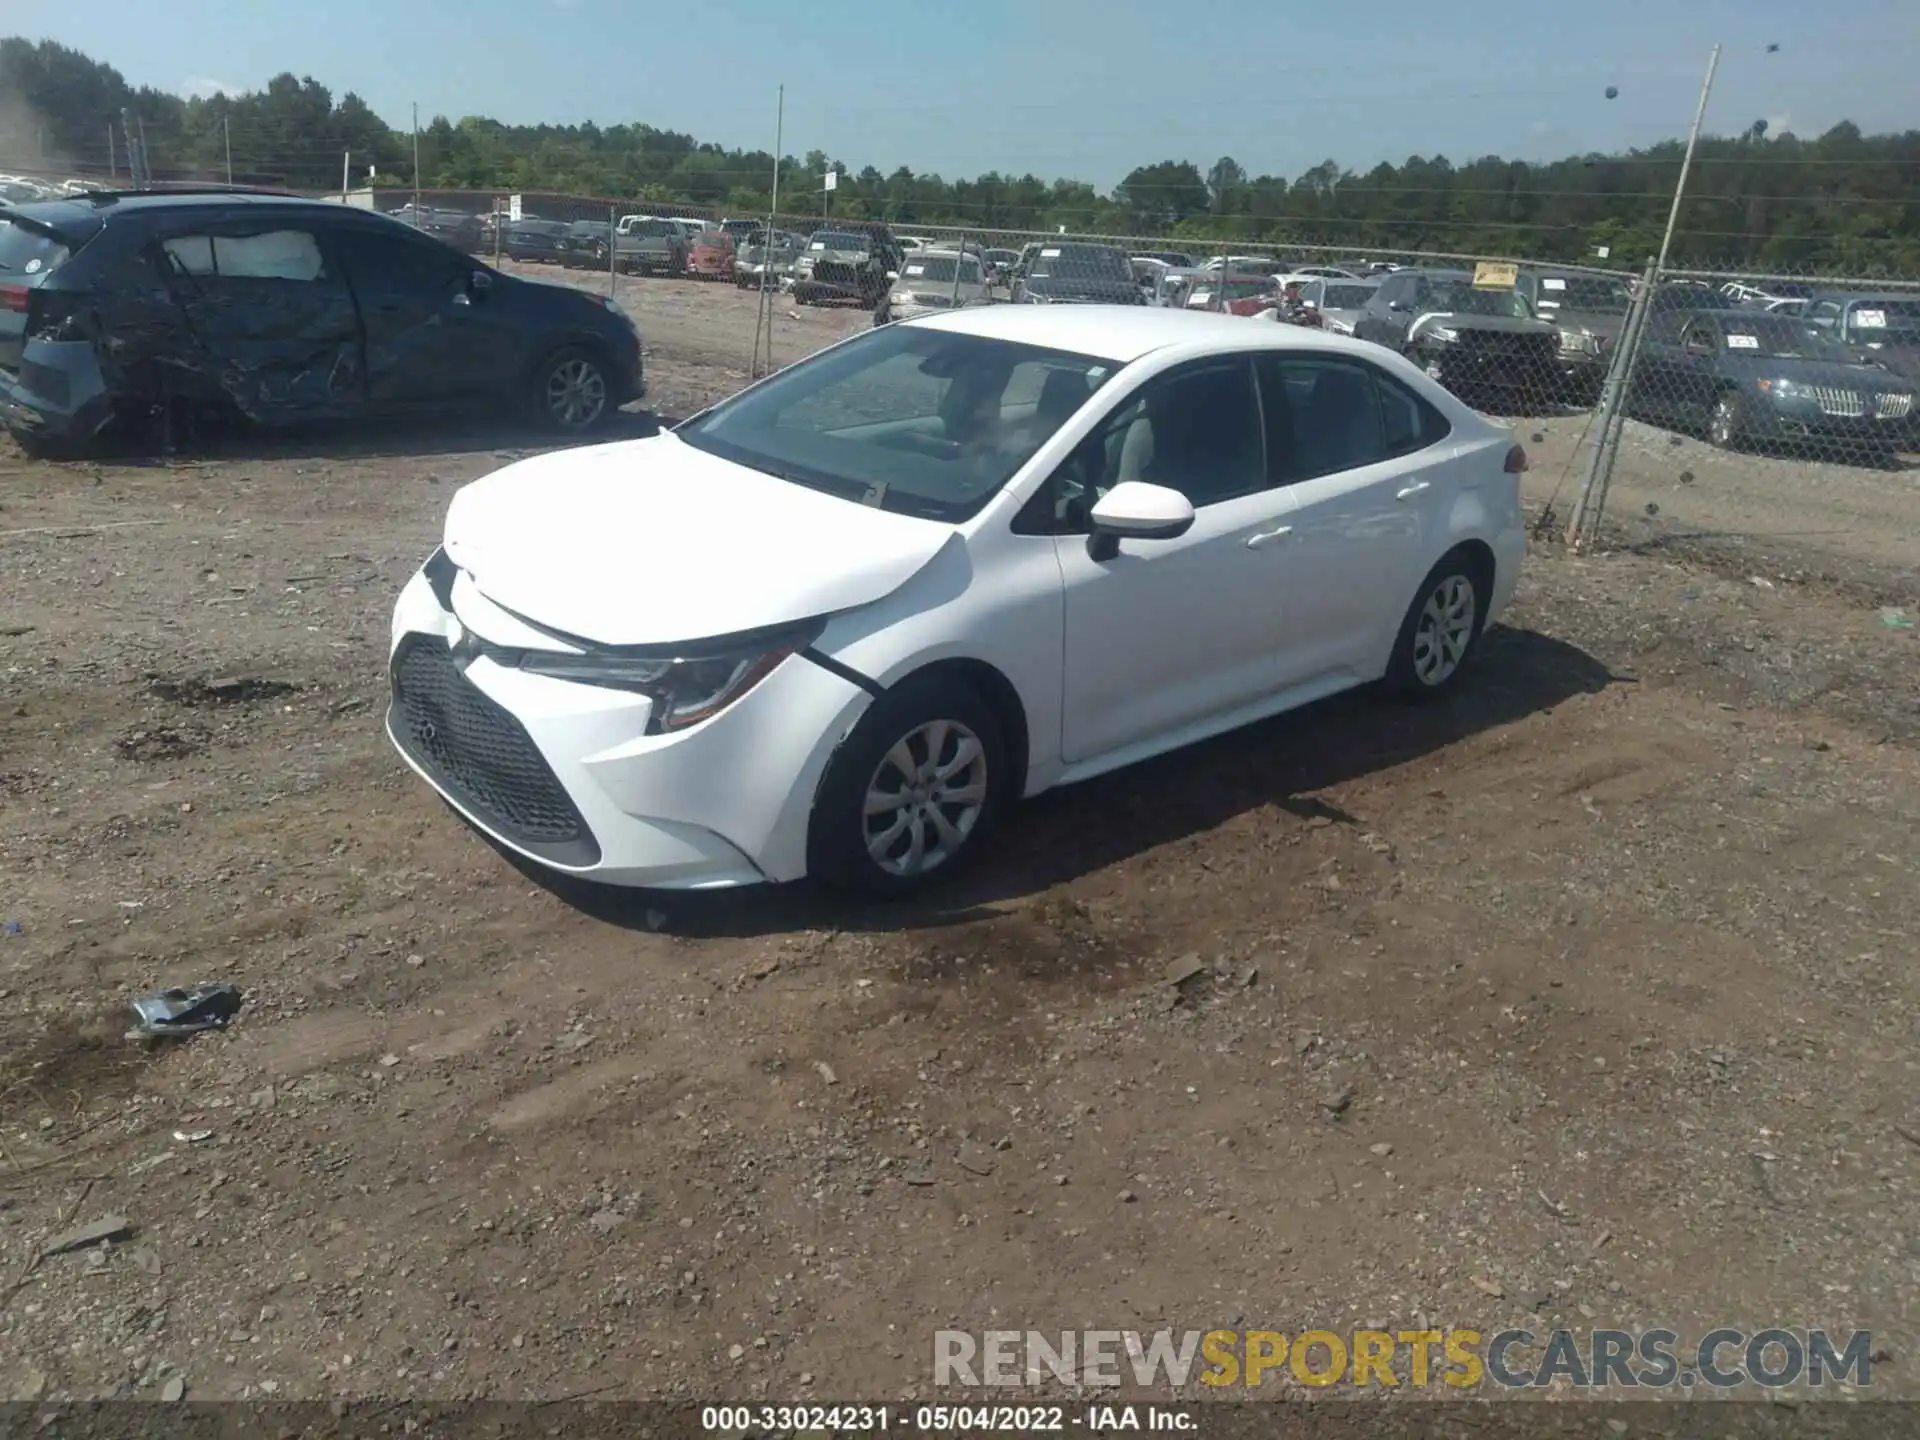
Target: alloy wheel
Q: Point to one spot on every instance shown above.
(1444, 630)
(1720, 428)
(925, 797)
(576, 393)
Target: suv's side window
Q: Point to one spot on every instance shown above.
(1698, 339)
(399, 264)
(1824, 314)
(282, 253)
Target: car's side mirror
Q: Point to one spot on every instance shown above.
(1135, 510)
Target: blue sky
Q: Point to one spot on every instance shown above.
(1085, 88)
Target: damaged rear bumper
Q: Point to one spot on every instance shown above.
(58, 393)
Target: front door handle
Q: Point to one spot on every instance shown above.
(1268, 537)
(1407, 492)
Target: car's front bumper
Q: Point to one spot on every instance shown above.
(566, 775)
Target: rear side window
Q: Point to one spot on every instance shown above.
(1410, 423)
(275, 255)
(27, 251)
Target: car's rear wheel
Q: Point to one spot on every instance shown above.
(570, 393)
(908, 796)
(1440, 630)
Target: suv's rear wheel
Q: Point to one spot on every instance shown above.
(570, 394)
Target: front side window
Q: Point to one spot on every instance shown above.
(1196, 431)
(272, 255)
(918, 421)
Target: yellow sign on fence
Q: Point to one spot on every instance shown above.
(1491, 275)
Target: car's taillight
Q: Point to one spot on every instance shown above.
(14, 297)
(1516, 461)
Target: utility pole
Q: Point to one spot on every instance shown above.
(416, 162)
(113, 170)
(346, 172)
(1686, 162)
(226, 136)
(146, 160)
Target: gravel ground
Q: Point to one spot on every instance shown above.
(1583, 998)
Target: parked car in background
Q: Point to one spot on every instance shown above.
(1463, 336)
(770, 257)
(1341, 302)
(1880, 327)
(846, 264)
(1325, 272)
(534, 240)
(1170, 288)
(586, 244)
(1745, 377)
(1210, 292)
(919, 575)
(712, 256)
(1671, 295)
(1146, 274)
(281, 310)
(1246, 264)
(1075, 274)
(653, 246)
(744, 230)
(1786, 307)
(1176, 259)
(1588, 312)
(932, 280)
(457, 228)
(998, 264)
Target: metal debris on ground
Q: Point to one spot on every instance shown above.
(1894, 618)
(187, 1011)
(94, 1232)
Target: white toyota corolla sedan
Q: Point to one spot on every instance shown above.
(837, 624)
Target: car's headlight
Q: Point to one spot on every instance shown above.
(1780, 387)
(1444, 333)
(684, 689)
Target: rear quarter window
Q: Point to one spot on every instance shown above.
(25, 250)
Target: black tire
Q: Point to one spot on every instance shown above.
(1412, 673)
(580, 372)
(44, 447)
(1727, 425)
(840, 831)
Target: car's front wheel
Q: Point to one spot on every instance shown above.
(570, 394)
(909, 794)
(1440, 630)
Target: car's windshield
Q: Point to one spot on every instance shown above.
(1886, 322)
(922, 422)
(713, 237)
(938, 269)
(25, 250)
(1462, 297)
(838, 240)
(1587, 293)
(1775, 337)
(1347, 297)
(1080, 262)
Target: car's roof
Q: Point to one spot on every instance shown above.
(1123, 333)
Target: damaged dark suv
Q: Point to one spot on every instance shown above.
(282, 310)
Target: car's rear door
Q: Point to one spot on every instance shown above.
(1364, 460)
(432, 336)
(1171, 633)
(271, 318)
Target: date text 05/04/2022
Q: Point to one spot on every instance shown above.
(949, 1419)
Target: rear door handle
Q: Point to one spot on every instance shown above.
(1407, 492)
(1268, 537)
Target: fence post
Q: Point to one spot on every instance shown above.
(960, 258)
(613, 248)
(1613, 405)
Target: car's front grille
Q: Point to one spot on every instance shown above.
(1842, 404)
(1894, 407)
(836, 272)
(481, 756)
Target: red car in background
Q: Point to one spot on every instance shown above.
(712, 256)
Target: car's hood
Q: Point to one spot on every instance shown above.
(650, 541)
(1836, 373)
(1066, 288)
(1593, 322)
(1901, 359)
(1504, 324)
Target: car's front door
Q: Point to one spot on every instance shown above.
(1359, 455)
(271, 316)
(432, 335)
(1168, 633)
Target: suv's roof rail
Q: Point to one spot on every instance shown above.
(99, 197)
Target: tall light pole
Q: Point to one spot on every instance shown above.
(416, 162)
(1686, 161)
